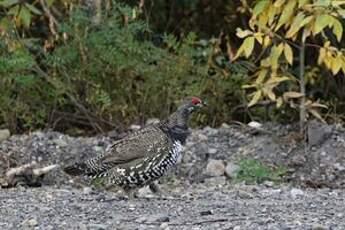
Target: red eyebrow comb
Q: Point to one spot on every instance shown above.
(196, 101)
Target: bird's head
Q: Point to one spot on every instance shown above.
(193, 105)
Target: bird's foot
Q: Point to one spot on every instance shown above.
(158, 192)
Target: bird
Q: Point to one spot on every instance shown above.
(140, 158)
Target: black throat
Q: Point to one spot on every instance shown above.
(178, 133)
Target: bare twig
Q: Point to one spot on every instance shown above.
(52, 20)
(97, 15)
(72, 98)
(44, 170)
(302, 86)
(26, 174)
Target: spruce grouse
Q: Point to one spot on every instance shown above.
(141, 157)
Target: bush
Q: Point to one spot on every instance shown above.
(100, 77)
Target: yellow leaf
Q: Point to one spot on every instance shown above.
(316, 115)
(338, 3)
(337, 29)
(271, 95)
(328, 59)
(279, 3)
(327, 44)
(263, 18)
(279, 102)
(261, 76)
(258, 37)
(272, 12)
(243, 33)
(321, 22)
(248, 86)
(257, 96)
(275, 54)
(286, 14)
(306, 33)
(302, 3)
(322, 56)
(336, 65)
(288, 53)
(248, 46)
(323, 2)
(275, 80)
(267, 41)
(341, 12)
(298, 22)
(260, 6)
(288, 95)
(343, 67)
(318, 105)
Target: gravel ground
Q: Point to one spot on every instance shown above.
(229, 207)
(204, 196)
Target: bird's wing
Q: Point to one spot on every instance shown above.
(140, 144)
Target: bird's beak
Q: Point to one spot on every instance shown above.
(202, 104)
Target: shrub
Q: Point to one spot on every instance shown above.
(109, 75)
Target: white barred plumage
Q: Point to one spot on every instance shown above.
(143, 156)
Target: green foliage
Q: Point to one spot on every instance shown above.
(253, 171)
(111, 75)
(98, 182)
(60, 68)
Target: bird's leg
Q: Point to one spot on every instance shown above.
(131, 193)
(154, 187)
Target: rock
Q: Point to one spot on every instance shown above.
(295, 192)
(318, 227)
(96, 227)
(244, 195)
(144, 192)
(164, 226)
(218, 181)
(158, 218)
(231, 169)
(206, 213)
(268, 183)
(254, 124)
(215, 168)
(298, 160)
(141, 219)
(318, 133)
(4, 134)
(212, 151)
(152, 121)
(98, 148)
(225, 126)
(87, 190)
(32, 222)
(113, 134)
(202, 137)
(60, 142)
(134, 127)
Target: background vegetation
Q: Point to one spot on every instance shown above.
(100, 65)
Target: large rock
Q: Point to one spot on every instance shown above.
(231, 169)
(4, 134)
(215, 168)
(318, 133)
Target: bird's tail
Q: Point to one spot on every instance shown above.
(76, 169)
